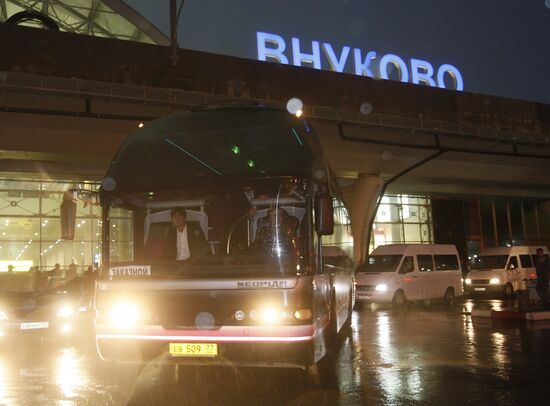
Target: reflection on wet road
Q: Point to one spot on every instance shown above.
(420, 355)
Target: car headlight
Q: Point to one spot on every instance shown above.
(3, 316)
(65, 311)
(494, 281)
(381, 288)
(468, 281)
(124, 314)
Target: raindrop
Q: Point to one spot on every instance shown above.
(366, 108)
(108, 184)
(204, 321)
(294, 106)
(320, 174)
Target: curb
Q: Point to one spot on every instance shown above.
(512, 314)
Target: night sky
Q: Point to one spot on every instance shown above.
(501, 47)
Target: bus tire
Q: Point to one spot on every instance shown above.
(508, 291)
(346, 328)
(449, 296)
(399, 299)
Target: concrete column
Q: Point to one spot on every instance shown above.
(361, 198)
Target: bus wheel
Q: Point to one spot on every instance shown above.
(449, 296)
(399, 299)
(346, 328)
(508, 291)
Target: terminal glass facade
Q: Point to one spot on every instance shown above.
(475, 224)
(403, 219)
(30, 228)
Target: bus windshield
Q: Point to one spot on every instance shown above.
(381, 263)
(250, 225)
(191, 147)
(486, 262)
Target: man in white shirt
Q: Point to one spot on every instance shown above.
(184, 240)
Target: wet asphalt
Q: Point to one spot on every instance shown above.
(426, 354)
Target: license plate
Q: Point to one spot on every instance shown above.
(480, 289)
(35, 325)
(193, 349)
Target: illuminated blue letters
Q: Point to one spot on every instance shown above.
(312, 59)
(422, 72)
(399, 64)
(362, 67)
(272, 47)
(336, 64)
(276, 52)
(453, 72)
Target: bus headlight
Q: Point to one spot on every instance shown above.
(124, 314)
(270, 316)
(381, 288)
(65, 311)
(468, 281)
(494, 281)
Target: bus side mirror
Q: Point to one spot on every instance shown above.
(68, 217)
(324, 220)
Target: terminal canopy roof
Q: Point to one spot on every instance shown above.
(212, 146)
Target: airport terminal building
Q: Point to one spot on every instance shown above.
(46, 151)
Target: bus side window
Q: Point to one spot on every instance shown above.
(407, 266)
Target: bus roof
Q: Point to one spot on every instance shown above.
(210, 144)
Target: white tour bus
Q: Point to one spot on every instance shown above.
(502, 270)
(267, 279)
(400, 272)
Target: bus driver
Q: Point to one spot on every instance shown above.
(277, 229)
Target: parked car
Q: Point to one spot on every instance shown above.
(400, 272)
(501, 271)
(29, 305)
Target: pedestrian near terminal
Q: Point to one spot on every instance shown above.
(543, 277)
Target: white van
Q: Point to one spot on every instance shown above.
(501, 271)
(400, 272)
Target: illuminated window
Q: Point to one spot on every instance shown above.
(403, 219)
(30, 227)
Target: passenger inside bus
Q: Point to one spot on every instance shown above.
(184, 240)
(223, 221)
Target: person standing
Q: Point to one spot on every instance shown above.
(543, 277)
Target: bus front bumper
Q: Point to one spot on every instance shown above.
(271, 346)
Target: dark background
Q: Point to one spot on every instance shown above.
(501, 47)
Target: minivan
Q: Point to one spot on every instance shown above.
(501, 271)
(398, 273)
